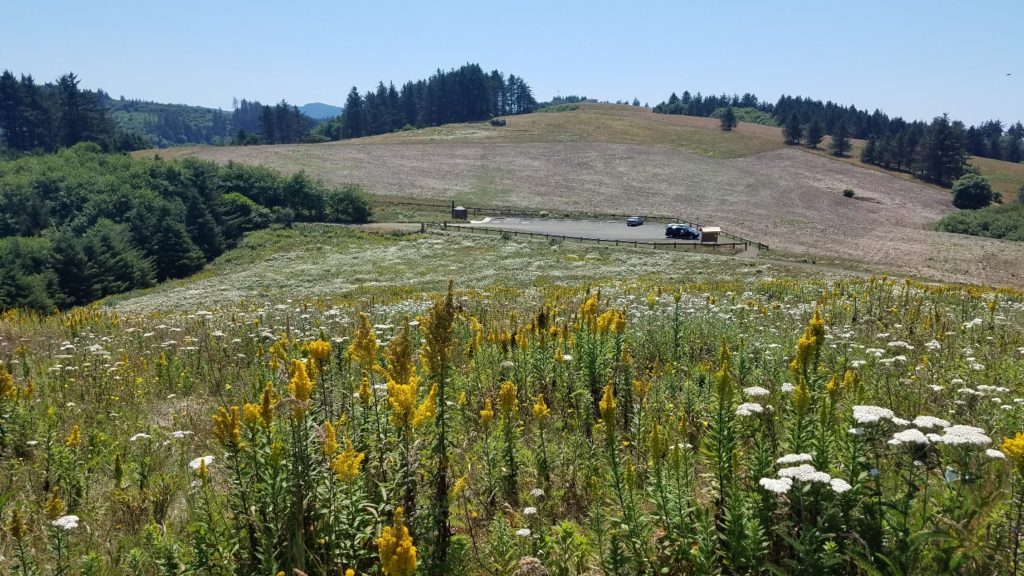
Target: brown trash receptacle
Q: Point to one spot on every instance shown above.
(709, 234)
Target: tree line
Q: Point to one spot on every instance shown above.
(466, 94)
(44, 117)
(988, 140)
(80, 224)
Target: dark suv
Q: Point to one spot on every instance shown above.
(634, 221)
(681, 232)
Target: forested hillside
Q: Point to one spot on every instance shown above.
(79, 224)
(896, 141)
(467, 94)
(39, 118)
(171, 124)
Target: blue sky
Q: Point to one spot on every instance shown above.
(912, 58)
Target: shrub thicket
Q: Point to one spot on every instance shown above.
(1006, 222)
(80, 224)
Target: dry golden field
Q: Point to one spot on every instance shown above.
(622, 159)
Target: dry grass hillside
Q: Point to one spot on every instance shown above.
(622, 159)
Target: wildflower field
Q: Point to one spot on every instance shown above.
(742, 426)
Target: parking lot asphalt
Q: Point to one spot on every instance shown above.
(603, 229)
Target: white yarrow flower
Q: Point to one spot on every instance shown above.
(69, 522)
(790, 459)
(930, 422)
(776, 485)
(529, 511)
(961, 435)
(139, 436)
(749, 409)
(909, 436)
(523, 532)
(755, 391)
(996, 454)
(199, 461)
(871, 414)
(839, 485)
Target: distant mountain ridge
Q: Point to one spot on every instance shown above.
(320, 111)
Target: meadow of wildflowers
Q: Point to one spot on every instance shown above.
(848, 426)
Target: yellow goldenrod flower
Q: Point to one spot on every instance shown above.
(16, 527)
(618, 322)
(347, 463)
(1014, 449)
(330, 439)
(364, 344)
(300, 386)
(364, 391)
(398, 354)
(227, 427)
(438, 329)
(801, 397)
(607, 405)
(477, 332)
(487, 413)
(804, 349)
(319, 350)
(640, 389)
(833, 386)
(397, 553)
(851, 379)
(267, 402)
(204, 472)
(54, 506)
(402, 398)
(425, 411)
(459, 486)
(658, 443)
(251, 413)
(74, 438)
(507, 398)
(8, 391)
(588, 310)
(816, 327)
(540, 408)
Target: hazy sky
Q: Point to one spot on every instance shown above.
(914, 59)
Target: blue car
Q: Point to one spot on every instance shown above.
(681, 232)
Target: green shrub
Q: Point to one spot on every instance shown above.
(347, 205)
(1006, 222)
(971, 192)
(848, 193)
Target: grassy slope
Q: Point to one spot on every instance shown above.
(304, 263)
(1005, 177)
(623, 159)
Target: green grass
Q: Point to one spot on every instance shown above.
(338, 263)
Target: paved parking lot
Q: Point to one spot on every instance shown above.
(602, 229)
